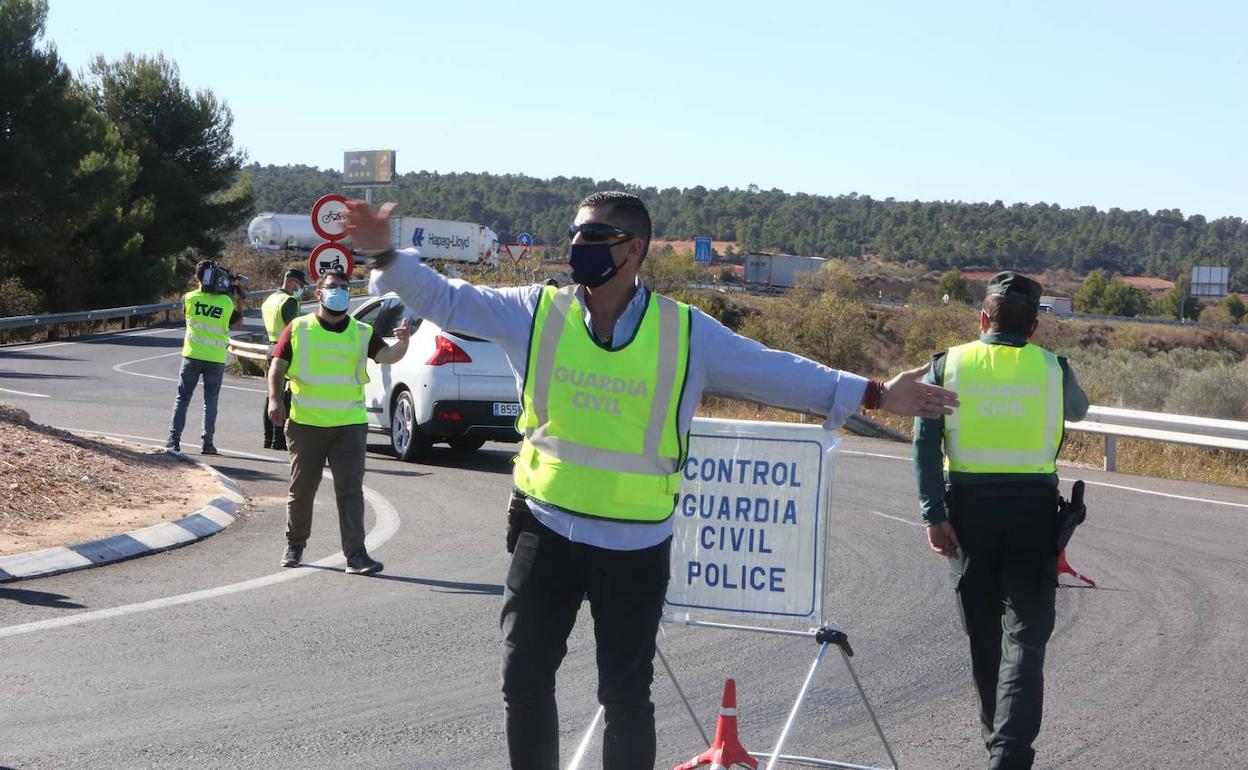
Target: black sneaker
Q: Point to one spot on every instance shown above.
(292, 557)
(279, 446)
(363, 564)
(173, 445)
(208, 449)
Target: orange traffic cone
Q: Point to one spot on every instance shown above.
(1064, 568)
(726, 750)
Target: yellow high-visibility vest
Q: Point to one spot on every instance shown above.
(271, 314)
(600, 426)
(1011, 418)
(207, 325)
(327, 373)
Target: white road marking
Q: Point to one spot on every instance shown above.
(1089, 483)
(23, 393)
(385, 528)
(142, 333)
(120, 368)
(898, 518)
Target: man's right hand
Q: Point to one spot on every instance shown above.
(277, 412)
(943, 540)
(369, 229)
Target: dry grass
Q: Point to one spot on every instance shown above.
(49, 474)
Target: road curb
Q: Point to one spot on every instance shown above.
(218, 514)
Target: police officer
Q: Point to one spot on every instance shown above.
(324, 356)
(210, 315)
(991, 507)
(279, 309)
(610, 376)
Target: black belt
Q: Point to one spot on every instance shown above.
(999, 489)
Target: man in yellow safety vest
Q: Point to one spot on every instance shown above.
(324, 354)
(279, 309)
(991, 506)
(210, 315)
(610, 375)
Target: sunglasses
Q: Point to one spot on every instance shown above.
(597, 232)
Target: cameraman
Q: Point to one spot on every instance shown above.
(210, 314)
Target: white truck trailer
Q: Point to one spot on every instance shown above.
(780, 270)
(436, 238)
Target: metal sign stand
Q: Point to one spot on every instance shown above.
(825, 635)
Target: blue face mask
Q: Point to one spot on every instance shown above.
(336, 299)
(592, 264)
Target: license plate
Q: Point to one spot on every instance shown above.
(502, 409)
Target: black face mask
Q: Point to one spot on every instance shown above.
(592, 263)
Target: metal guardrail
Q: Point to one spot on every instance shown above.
(1113, 423)
(242, 348)
(112, 313)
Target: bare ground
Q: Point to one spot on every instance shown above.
(57, 488)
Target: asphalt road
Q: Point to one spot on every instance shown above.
(211, 656)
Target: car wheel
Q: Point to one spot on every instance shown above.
(405, 439)
(466, 444)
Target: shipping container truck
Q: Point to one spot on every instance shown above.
(780, 270)
(437, 239)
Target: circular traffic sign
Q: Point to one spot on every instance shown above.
(329, 217)
(524, 239)
(328, 256)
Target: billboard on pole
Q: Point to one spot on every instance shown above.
(1210, 281)
(367, 168)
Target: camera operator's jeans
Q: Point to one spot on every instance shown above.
(192, 370)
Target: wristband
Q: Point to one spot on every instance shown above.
(874, 395)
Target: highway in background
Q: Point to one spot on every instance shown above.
(211, 656)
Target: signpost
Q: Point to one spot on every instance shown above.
(328, 256)
(524, 239)
(1210, 281)
(517, 251)
(750, 522)
(329, 217)
(702, 248)
(368, 169)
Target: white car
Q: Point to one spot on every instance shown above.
(449, 388)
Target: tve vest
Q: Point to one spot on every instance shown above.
(1011, 418)
(327, 373)
(207, 325)
(600, 426)
(271, 314)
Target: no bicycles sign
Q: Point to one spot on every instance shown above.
(329, 217)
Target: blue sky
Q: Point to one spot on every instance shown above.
(1129, 104)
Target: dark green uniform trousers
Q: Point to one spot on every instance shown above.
(1006, 580)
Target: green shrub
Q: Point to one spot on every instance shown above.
(1220, 391)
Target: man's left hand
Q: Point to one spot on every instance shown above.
(905, 395)
(403, 332)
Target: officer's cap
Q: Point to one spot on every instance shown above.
(1015, 285)
(297, 274)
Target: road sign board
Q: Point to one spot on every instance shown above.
(524, 239)
(751, 519)
(368, 168)
(329, 217)
(702, 248)
(516, 251)
(330, 255)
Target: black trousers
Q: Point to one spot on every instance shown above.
(274, 435)
(1006, 580)
(548, 578)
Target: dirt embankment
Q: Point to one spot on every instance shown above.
(57, 488)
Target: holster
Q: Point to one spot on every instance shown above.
(517, 509)
(1070, 514)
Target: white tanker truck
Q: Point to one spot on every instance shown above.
(436, 238)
